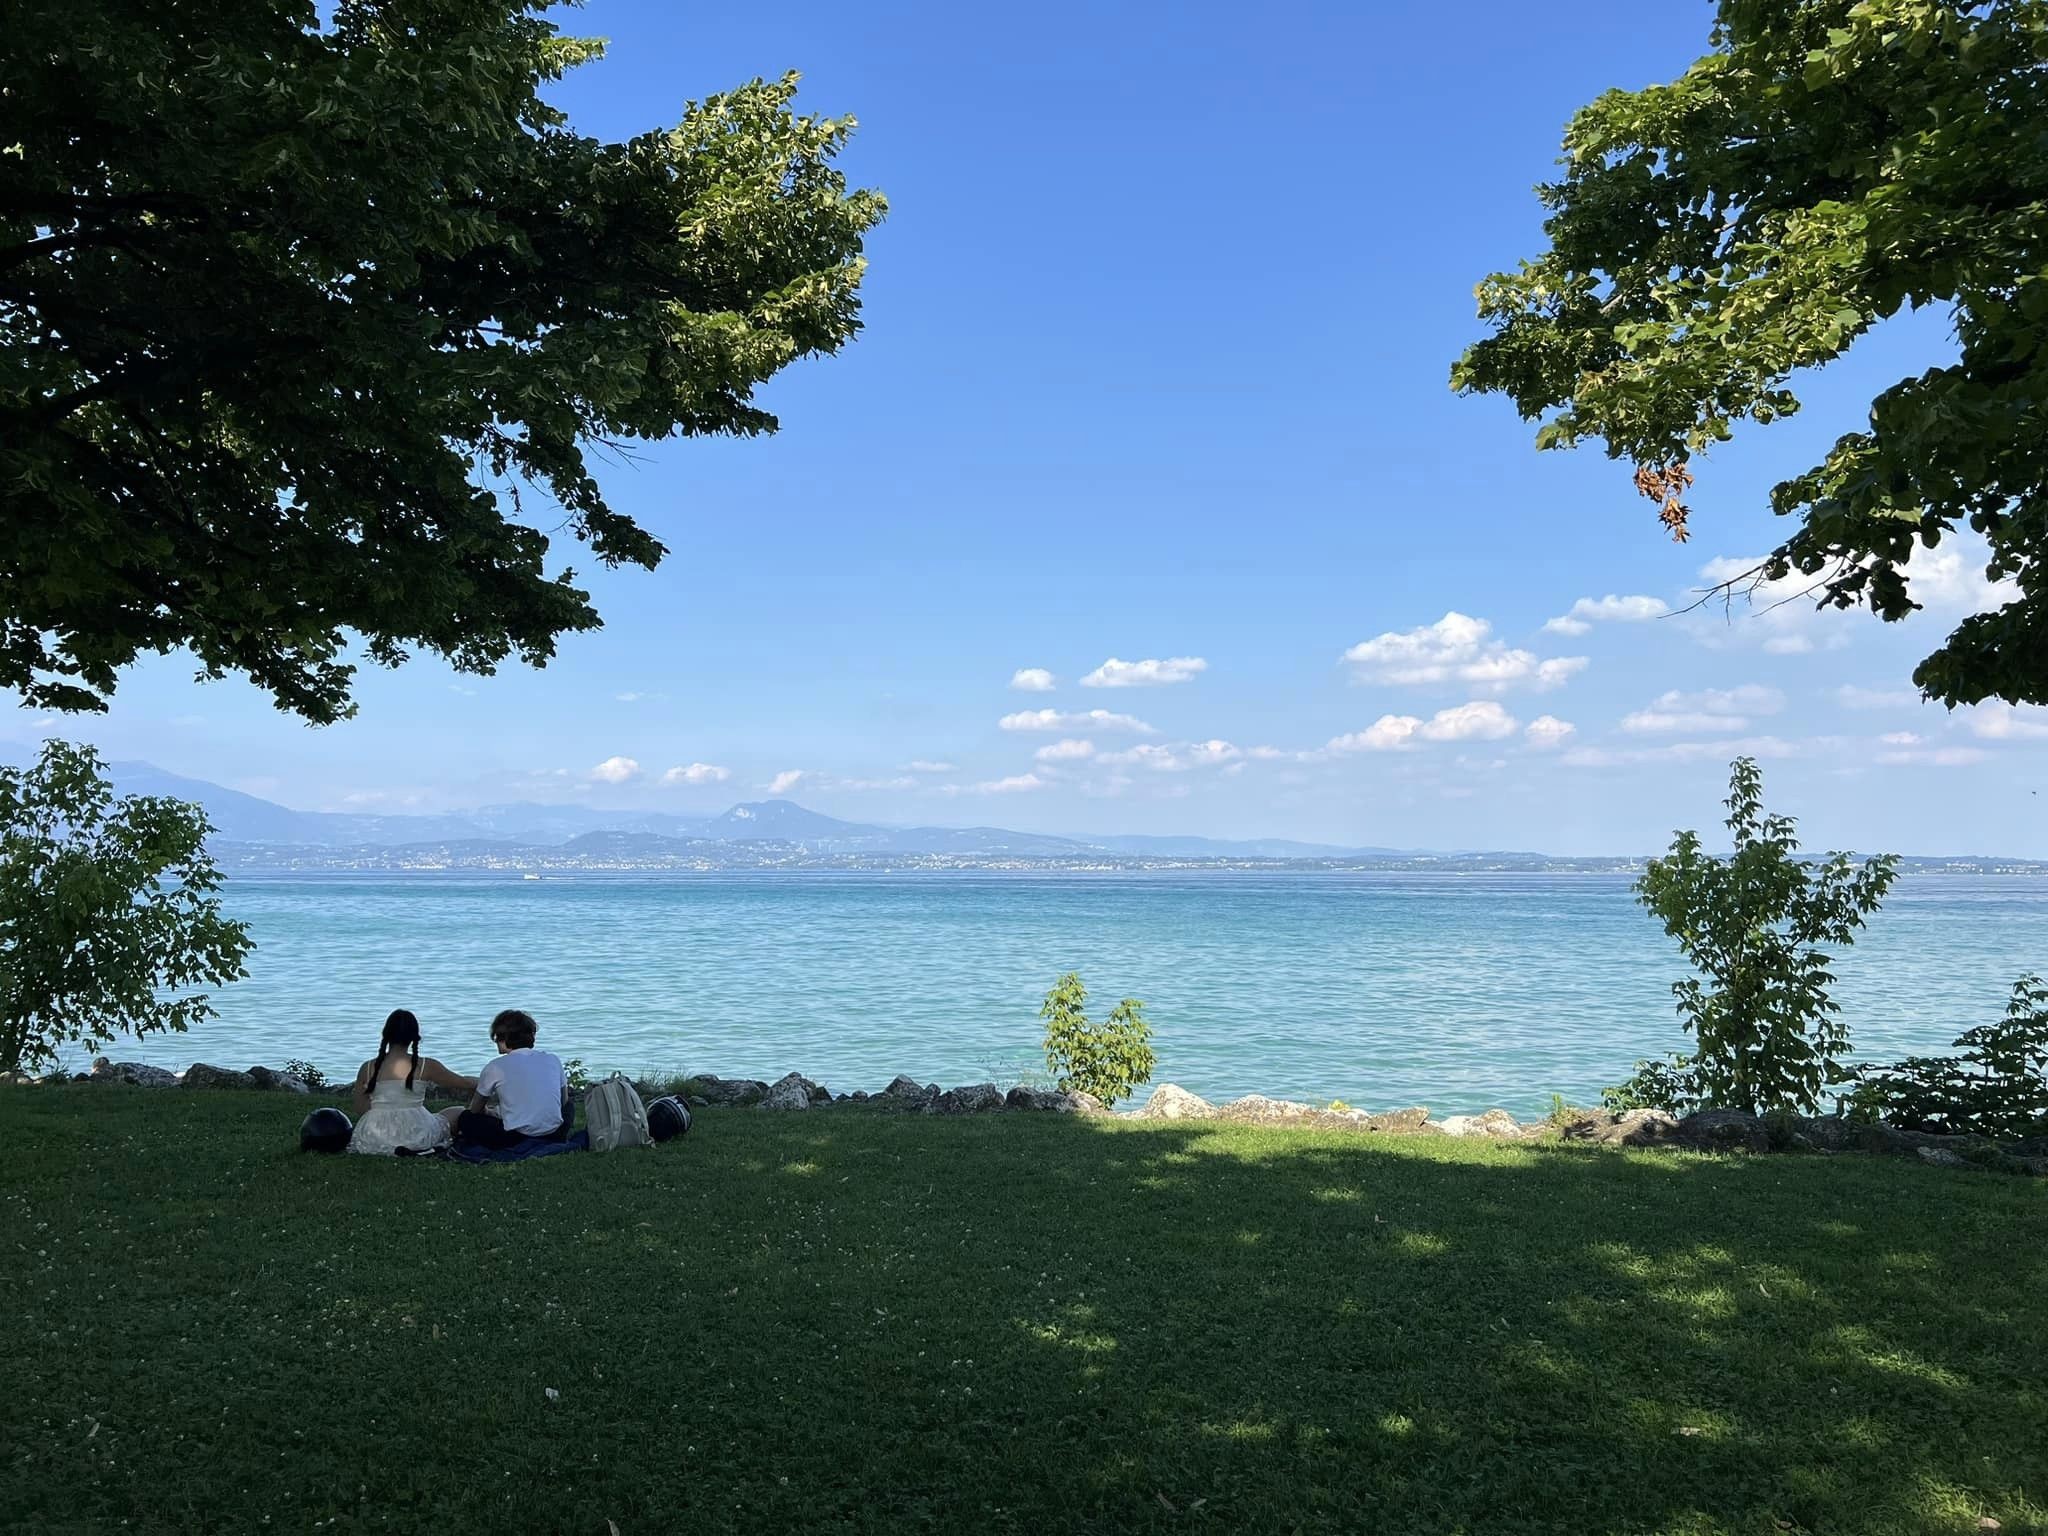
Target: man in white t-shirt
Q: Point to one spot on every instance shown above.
(523, 1093)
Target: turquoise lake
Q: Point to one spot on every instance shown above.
(1456, 991)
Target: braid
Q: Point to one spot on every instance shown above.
(413, 1070)
(377, 1066)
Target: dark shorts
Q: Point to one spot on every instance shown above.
(476, 1129)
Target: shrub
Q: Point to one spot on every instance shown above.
(1996, 1086)
(307, 1073)
(1106, 1060)
(1768, 1034)
(578, 1074)
(103, 907)
(1665, 1083)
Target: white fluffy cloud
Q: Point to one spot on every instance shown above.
(697, 773)
(1033, 680)
(1181, 758)
(1159, 759)
(1784, 617)
(1073, 720)
(786, 780)
(1547, 732)
(1386, 734)
(1144, 674)
(1457, 648)
(1015, 784)
(1481, 720)
(616, 770)
(1849, 696)
(923, 766)
(1711, 709)
(1068, 751)
(1689, 751)
(1934, 757)
(1588, 611)
(2009, 722)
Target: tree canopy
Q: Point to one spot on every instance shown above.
(311, 315)
(1828, 164)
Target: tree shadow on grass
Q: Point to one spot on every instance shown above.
(1020, 1323)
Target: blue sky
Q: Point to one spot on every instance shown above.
(1158, 333)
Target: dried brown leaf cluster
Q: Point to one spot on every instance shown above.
(1666, 485)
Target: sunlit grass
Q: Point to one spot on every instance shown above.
(1003, 1323)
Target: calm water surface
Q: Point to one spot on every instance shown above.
(1381, 989)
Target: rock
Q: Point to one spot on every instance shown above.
(277, 1082)
(134, 1072)
(906, 1093)
(1074, 1102)
(730, 1090)
(1496, 1123)
(974, 1099)
(200, 1075)
(1399, 1121)
(793, 1091)
(1170, 1101)
(1022, 1097)
(1257, 1109)
(1944, 1157)
(1724, 1130)
(1631, 1128)
(1823, 1133)
(697, 1100)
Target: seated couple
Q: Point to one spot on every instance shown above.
(523, 1093)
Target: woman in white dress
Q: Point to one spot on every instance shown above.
(391, 1094)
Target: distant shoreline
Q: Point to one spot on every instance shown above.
(517, 860)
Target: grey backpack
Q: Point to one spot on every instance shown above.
(614, 1115)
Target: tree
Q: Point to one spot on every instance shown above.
(1828, 164)
(1997, 1086)
(297, 300)
(103, 907)
(1107, 1060)
(1768, 1035)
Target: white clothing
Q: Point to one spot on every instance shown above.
(525, 1089)
(398, 1117)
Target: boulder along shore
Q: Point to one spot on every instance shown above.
(1709, 1130)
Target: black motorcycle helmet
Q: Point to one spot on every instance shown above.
(668, 1118)
(325, 1130)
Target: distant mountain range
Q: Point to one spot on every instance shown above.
(253, 833)
(245, 818)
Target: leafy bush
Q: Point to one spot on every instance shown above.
(1107, 1060)
(1997, 1086)
(1769, 1035)
(307, 1073)
(1666, 1083)
(578, 1074)
(103, 908)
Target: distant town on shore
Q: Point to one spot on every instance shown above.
(257, 835)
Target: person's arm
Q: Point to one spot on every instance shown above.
(363, 1087)
(441, 1076)
(481, 1090)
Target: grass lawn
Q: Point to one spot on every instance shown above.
(838, 1322)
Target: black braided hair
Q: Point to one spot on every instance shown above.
(402, 1028)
